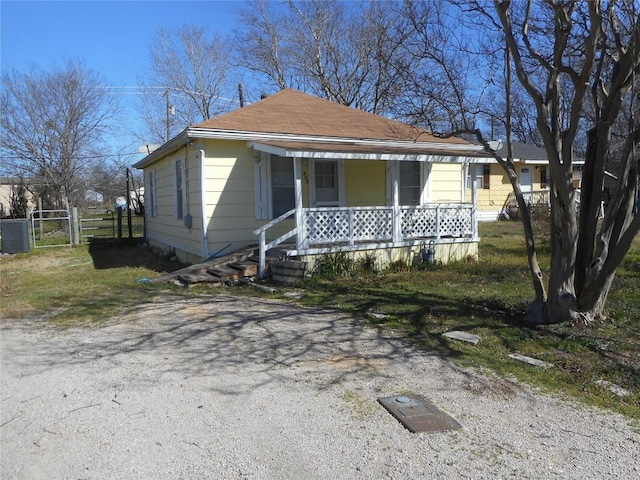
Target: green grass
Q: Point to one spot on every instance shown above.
(78, 285)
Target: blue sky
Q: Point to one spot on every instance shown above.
(111, 36)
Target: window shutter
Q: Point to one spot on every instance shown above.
(150, 194)
(260, 186)
(486, 176)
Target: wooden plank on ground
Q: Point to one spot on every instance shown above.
(198, 278)
(239, 256)
(225, 274)
(248, 269)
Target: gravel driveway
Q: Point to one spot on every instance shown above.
(220, 387)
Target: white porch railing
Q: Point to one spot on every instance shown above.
(536, 197)
(346, 227)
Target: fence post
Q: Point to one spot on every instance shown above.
(75, 226)
(40, 219)
(119, 210)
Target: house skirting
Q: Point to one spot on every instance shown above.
(446, 251)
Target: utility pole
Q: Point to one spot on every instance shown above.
(167, 94)
(240, 95)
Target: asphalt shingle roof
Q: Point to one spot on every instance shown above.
(292, 112)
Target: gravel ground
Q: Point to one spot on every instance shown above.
(232, 388)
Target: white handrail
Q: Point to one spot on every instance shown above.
(275, 221)
(263, 239)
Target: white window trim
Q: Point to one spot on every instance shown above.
(340, 171)
(425, 181)
(263, 186)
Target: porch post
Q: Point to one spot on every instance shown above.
(297, 182)
(474, 201)
(465, 176)
(395, 191)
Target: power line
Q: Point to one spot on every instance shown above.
(83, 157)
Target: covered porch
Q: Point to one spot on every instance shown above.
(317, 230)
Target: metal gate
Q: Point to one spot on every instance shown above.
(51, 228)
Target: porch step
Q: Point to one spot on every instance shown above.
(202, 268)
(248, 268)
(233, 267)
(225, 274)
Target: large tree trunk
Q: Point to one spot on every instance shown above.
(561, 296)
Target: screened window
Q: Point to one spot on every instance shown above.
(282, 186)
(410, 184)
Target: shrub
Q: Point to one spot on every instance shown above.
(333, 265)
(367, 264)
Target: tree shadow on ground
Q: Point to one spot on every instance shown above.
(112, 253)
(250, 342)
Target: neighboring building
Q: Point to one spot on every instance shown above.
(312, 177)
(7, 185)
(495, 193)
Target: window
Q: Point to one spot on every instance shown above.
(326, 183)
(150, 198)
(179, 182)
(482, 176)
(544, 180)
(486, 176)
(410, 184)
(282, 186)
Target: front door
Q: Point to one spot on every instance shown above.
(526, 179)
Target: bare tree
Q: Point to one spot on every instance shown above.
(187, 83)
(52, 124)
(590, 56)
(444, 80)
(347, 53)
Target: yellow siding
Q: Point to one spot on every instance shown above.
(165, 228)
(230, 204)
(446, 182)
(493, 198)
(365, 183)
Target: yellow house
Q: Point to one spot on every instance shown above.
(494, 191)
(310, 177)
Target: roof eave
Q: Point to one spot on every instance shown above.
(249, 136)
(171, 146)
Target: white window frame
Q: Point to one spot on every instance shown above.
(263, 186)
(179, 213)
(425, 181)
(340, 178)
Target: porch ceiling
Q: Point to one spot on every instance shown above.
(379, 151)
